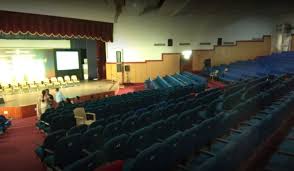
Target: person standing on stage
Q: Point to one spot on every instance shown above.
(42, 104)
(59, 97)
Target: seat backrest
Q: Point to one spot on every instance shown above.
(78, 129)
(66, 78)
(112, 129)
(115, 148)
(155, 158)
(74, 78)
(60, 79)
(88, 163)
(53, 79)
(80, 112)
(46, 80)
(92, 139)
(52, 138)
(68, 150)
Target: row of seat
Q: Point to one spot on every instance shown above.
(153, 157)
(228, 152)
(100, 133)
(275, 64)
(178, 79)
(29, 86)
(186, 120)
(109, 110)
(283, 158)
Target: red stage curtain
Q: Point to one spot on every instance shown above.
(14, 23)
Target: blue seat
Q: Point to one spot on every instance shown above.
(89, 163)
(116, 148)
(155, 158)
(92, 139)
(111, 130)
(139, 140)
(48, 145)
(130, 124)
(99, 122)
(78, 129)
(67, 150)
(160, 129)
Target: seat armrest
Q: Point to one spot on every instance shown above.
(93, 114)
(56, 168)
(49, 151)
(182, 167)
(86, 152)
(79, 117)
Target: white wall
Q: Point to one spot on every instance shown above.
(136, 35)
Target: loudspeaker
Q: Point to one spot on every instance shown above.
(127, 68)
(118, 56)
(1, 100)
(169, 42)
(219, 41)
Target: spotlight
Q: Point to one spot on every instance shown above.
(187, 54)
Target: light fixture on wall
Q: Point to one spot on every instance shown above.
(187, 54)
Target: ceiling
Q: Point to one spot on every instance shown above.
(106, 10)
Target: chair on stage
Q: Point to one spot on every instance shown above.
(81, 116)
(75, 80)
(68, 81)
(32, 86)
(24, 86)
(15, 87)
(47, 83)
(7, 88)
(40, 85)
(55, 82)
(61, 81)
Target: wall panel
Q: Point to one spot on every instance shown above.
(243, 50)
(140, 71)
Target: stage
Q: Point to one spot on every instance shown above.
(23, 105)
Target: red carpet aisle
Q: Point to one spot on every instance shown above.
(17, 147)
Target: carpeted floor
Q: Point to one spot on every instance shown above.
(17, 147)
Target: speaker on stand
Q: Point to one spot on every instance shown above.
(127, 70)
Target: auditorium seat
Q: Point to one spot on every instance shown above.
(92, 139)
(67, 151)
(47, 83)
(68, 81)
(55, 82)
(75, 80)
(61, 82)
(48, 145)
(79, 129)
(184, 116)
(88, 163)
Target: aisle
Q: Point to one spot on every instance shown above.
(17, 147)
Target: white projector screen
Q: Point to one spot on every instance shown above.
(67, 60)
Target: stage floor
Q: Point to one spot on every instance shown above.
(84, 89)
